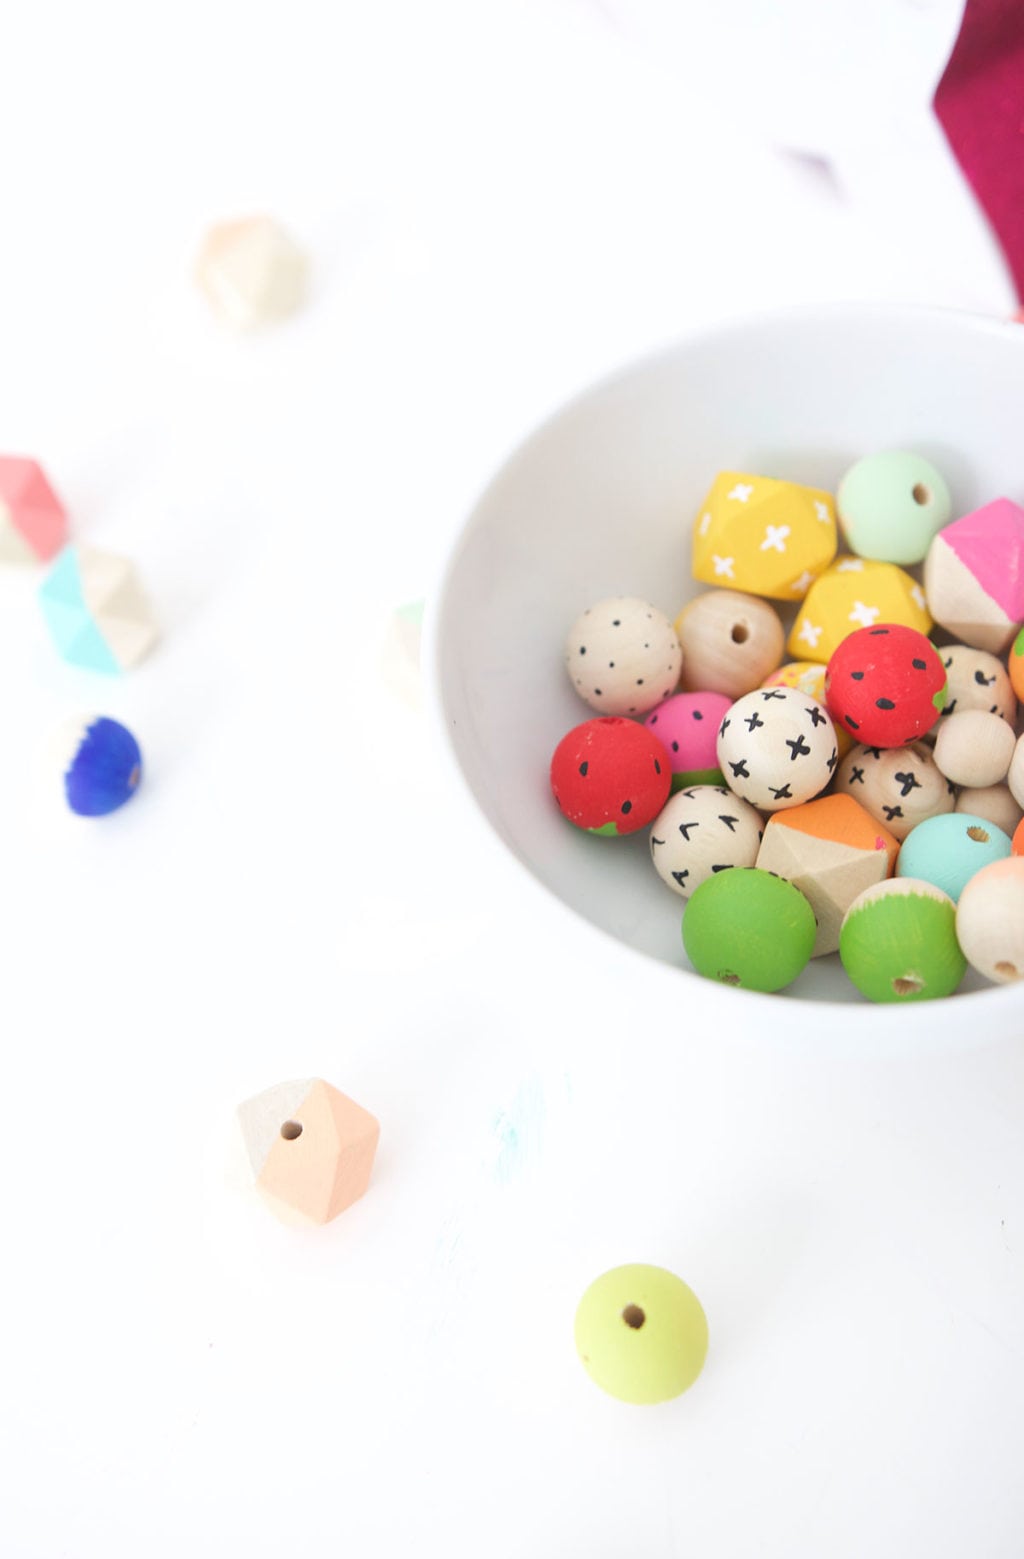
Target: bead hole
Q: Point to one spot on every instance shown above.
(728, 978)
(907, 985)
(634, 1317)
(1007, 971)
(740, 633)
(920, 493)
(290, 1130)
(980, 834)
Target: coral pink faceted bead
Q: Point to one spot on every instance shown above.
(33, 524)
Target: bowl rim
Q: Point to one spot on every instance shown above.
(997, 1002)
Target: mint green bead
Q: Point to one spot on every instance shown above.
(745, 926)
(890, 506)
(641, 1333)
(898, 942)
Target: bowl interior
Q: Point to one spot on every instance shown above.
(600, 501)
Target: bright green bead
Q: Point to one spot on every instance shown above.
(890, 506)
(745, 926)
(641, 1333)
(898, 942)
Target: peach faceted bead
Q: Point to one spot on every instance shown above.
(309, 1149)
(252, 272)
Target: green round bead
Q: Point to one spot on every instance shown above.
(898, 942)
(641, 1334)
(745, 926)
(890, 506)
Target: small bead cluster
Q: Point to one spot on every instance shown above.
(866, 795)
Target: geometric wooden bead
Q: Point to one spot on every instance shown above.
(764, 536)
(252, 272)
(308, 1148)
(831, 849)
(974, 576)
(33, 525)
(96, 610)
(855, 593)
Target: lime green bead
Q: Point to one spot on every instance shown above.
(745, 926)
(890, 506)
(898, 942)
(641, 1334)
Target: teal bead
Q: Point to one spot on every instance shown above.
(947, 850)
(890, 506)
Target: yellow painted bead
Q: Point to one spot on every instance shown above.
(764, 536)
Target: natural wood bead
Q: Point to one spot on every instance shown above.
(994, 803)
(1015, 774)
(974, 748)
(309, 1149)
(990, 920)
(899, 786)
(730, 642)
(976, 680)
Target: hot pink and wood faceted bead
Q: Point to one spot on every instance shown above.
(33, 525)
(308, 1148)
(974, 576)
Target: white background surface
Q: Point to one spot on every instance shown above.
(501, 201)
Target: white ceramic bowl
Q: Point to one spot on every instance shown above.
(599, 501)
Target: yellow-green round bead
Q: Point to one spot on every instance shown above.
(641, 1334)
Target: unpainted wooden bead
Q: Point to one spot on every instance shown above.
(1015, 773)
(994, 803)
(974, 748)
(990, 920)
(730, 642)
(622, 656)
(899, 786)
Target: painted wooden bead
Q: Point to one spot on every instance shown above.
(899, 786)
(730, 642)
(947, 851)
(990, 920)
(309, 1149)
(622, 656)
(831, 849)
(974, 576)
(703, 830)
(885, 685)
(855, 593)
(96, 611)
(898, 942)
(809, 677)
(33, 524)
(610, 776)
(1015, 665)
(1018, 839)
(748, 927)
(686, 725)
(641, 1334)
(1015, 773)
(976, 680)
(777, 748)
(974, 748)
(100, 764)
(764, 536)
(890, 506)
(252, 272)
(993, 803)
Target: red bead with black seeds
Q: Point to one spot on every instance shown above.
(610, 775)
(886, 685)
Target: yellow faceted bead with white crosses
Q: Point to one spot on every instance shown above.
(855, 593)
(763, 536)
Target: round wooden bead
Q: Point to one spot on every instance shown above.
(993, 803)
(610, 776)
(890, 506)
(777, 748)
(1015, 773)
(622, 656)
(947, 851)
(898, 942)
(730, 642)
(885, 684)
(899, 786)
(700, 831)
(809, 677)
(100, 764)
(990, 920)
(641, 1334)
(974, 748)
(687, 727)
(748, 927)
(976, 680)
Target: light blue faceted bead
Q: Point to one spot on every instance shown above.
(890, 506)
(948, 850)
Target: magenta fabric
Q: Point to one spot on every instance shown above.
(980, 105)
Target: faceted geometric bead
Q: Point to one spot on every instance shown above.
(763, 536)
(974, 575)
(855, 593)
(96, 611)
(309, 1149)
(33, 525)
(831, 849)
(252, 272)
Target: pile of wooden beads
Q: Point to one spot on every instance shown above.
(865, 796)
